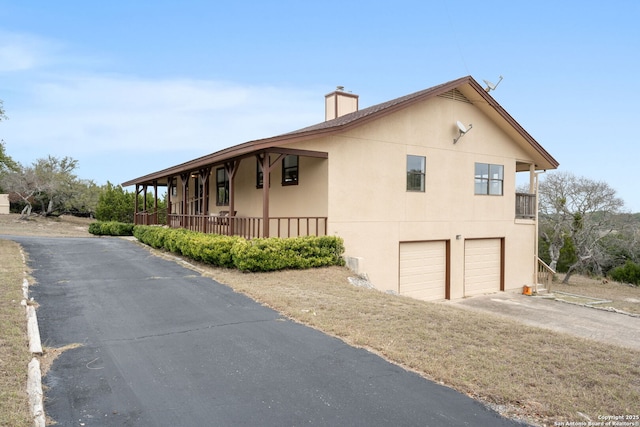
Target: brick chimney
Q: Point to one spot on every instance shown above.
(338, 103)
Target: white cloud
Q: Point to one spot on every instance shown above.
(103, 120)
(58, 105)
(20, 52)
(92, 113)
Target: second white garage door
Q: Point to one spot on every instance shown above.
(423, 270)
(482, 266)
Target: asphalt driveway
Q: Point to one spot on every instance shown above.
(163, 346)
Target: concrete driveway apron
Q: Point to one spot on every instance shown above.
(586, 322)
(161, 345)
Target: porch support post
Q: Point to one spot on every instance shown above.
(536, 179)
(184, 180)
(232, 167)
(135, 208)
(144, 200)
(169, 189)
(144, 204)
(532, 179)
(203, 201)
(266, 167)
(263, 160)
(155, 201)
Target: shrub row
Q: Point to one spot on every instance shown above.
(111, 228)
(296, 253)
(267, 254)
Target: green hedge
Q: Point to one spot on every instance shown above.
(294, 253)
(245, 255)
(627, 273)
(111, 228)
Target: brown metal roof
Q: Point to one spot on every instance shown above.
(481, 99)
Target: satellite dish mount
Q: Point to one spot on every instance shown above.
(462, 129)
(491, 86)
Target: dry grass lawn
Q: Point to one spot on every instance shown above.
(623, 297)
(64, 226)
(14, 351)
(527, 373)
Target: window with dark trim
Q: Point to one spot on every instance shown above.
(416, 168)
(174, 187)
(222, 187)
(259, 175)
(489, 179)
(290, 170)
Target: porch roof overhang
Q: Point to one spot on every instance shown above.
(238, 152)
(471, 89)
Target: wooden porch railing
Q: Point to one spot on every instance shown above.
(151, 218)
(545, 275)
(247, 227)
(525, 206)
(298, 226)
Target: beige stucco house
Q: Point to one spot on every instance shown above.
(427, 206)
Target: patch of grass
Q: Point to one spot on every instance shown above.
(36, 225)
(524, 372)
(622, 296)
(14, 351)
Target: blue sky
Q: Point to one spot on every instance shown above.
(128, 88)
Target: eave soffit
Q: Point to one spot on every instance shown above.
(219, 158)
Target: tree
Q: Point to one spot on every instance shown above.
(50, 183)
(84, 199)
(7, 164)
(22, 183)
(58, 182)
(115, 204)
(2, 114)
(581, 211)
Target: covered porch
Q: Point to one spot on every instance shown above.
(233, 193)
(526, 199)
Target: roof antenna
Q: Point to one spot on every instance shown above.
(491, 86)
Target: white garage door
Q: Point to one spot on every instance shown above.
(423, 267)
(482, 269)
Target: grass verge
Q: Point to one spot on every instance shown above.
(14, 351)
